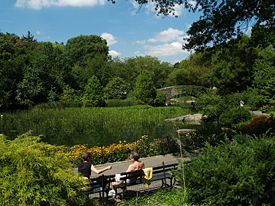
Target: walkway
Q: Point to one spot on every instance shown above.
(118, 167)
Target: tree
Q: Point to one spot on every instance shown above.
(220, 20)
(93, 93)
(144, 89)
(117, 88)
(223, 20)
(157, 70)
(232, 65)
(192, 71)
(79, 49)
(264, 75)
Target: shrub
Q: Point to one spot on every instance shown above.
(36, 173)
(210, 105)
(235, 173)
(234, 116)
(160, 99)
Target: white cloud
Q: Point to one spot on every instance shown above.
(168, 36)
(165, 43)
(114, 53)
(171, 49)
(109, 38)
(38, 4)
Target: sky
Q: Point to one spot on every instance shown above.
(130, 30)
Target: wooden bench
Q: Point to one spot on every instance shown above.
(102, 184)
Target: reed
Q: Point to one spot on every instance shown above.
(92, 126)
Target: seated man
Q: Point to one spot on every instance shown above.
(136, 165)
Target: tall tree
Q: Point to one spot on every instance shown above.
(232, 65)
(79, 49)
(93, 93)
(144, 89)
(117, 88)
(264, 75)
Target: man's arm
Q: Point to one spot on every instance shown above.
(97, 171)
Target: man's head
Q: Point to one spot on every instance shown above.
(86, 156)
(134, 156)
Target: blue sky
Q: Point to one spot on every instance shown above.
(129, 30)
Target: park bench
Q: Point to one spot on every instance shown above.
(102, 184)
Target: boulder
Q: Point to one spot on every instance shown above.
(189, 118)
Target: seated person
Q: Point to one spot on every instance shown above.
(136, 165)
(85, 168)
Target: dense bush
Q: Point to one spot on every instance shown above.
(160, 99)
(234, 115)
(236, 173)
(36, 173)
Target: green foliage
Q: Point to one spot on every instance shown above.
(93, 126)
(173, 197)
(192, 71)
(93, 93)
(232, 65)
(145, 90)
(236, 173)
(157, 70)
(121, 102)
(234, 115)
(224, 20)
(160, 99)
(149, 146)
(210, 105)
(35, 173)
(264, 74)
(117, 88)
(79, 49)
(69, 95)
(192, 90)
(226, 109)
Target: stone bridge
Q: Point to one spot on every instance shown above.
(171, 91)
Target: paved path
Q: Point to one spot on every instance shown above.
(118, 167)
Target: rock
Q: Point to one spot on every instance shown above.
(185, 131)
(189, 118)
(257, 113)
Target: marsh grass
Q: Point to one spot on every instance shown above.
(92, 126)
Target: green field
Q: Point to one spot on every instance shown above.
(93, 126)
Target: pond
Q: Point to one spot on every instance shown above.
(92, 126)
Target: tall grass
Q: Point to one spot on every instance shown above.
(93, 126)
